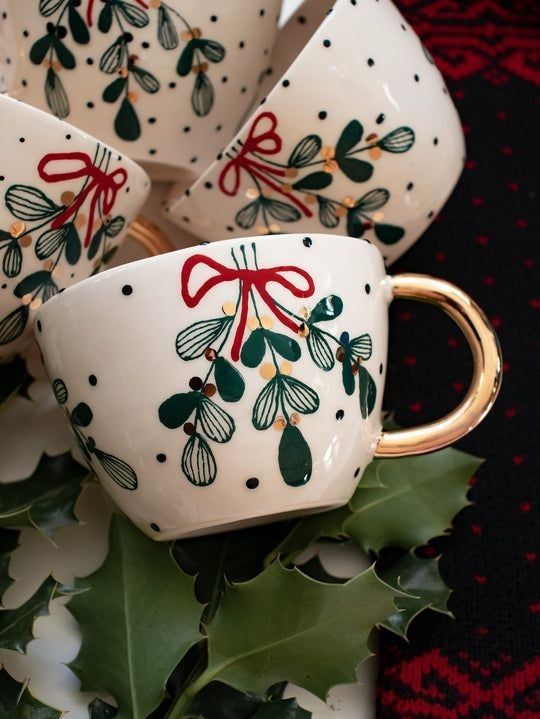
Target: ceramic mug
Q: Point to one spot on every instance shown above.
(165, 81)
(232, 384)
(66, 202)
(358, 136)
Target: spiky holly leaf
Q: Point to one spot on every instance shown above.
(219, 701)
(9, 541)
(98, 709)
(138, 618)
(285, 619)
(16, 625)
(421, 579)
(46, 500)
(419, 498)
(16, 702)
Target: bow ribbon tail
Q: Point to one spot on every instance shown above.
(73, 208)
(241, 329)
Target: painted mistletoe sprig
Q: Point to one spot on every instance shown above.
(284, 399)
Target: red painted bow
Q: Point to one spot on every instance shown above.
(249, 279)
(90, 10)
(263, 142)
(99, 186)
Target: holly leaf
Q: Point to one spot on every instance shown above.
(16, 702)
(219, 701)
(418, 500)
(138, 618)
(421, 579)
(286, 616)
(16, 625)
(99, 709)
(9, 541)
(46, 500)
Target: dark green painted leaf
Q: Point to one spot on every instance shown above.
(115, 226)
(50, 241)
(319, 349)
(60, 391)
(13, 325)
(361, 346)
(65, 57)
(216, 424)
(399, 140)
(176, 410)
(281, 211)
(49, 290)
(247, 216)
(355, 224)
(113, 91)
(229, 382)
(29, 203)
(294, 457)
(299, 395)
(373, 200)
(389, 234)
(267, 405)
(253, 349)
(146, 80)
(212, 50)
(9, 541)
(167, 34)
(73, 245)
(127, 123)
(305, 151)
(114, 56)
(16, 625)
(81, 415)
(98, 709)
(105, 18)
(132, 14)
(40, 48)
(326, 309)
(368, 392)
(55, 94)
(198, 463)
(95, 243)
(31, 283)
(133, 634)
(194, 340)
(421, 579)
(347, 376)
(202, 97)
(49, 7)
(356, 170)
(219, 701)
(78, 26)
(351, 136)
(16, 702)
(285, 346)
(327, 212)
(109, 254)
(12, 262)
(185, 61)
(118, 470)
(314, 181)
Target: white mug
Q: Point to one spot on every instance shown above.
(241, 382)
(165, 81)
(358, 136)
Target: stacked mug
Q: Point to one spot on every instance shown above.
(222, 386)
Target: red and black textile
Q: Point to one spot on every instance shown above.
(485, 663)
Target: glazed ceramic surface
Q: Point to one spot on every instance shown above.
(216, 386)
(66, 202)
(165, 81)
(359, 136)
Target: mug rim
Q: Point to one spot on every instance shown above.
(43, 117)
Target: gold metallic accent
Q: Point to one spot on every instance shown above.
(487, 373)
(267, 371)
(310, 199)
(48, 265)
(155, 4)
(197, 32)
(263, 230)
(328, 152)
(340, 354)
(348, 201)
(341, 211)
(17, 229)
(252, 193)
(80, 221)
(67, 197)
(372, 137)
(56, 66)
(286, 187)
(36, 303)
(133, 96)
(274, 227)
(375, 153)
(267, 322)
(253, 322)
(294, 419)
(303, 330)
(291, 172)
(186, 35)
(25, 240)
(286, 367)
(123, 72)
(210, 354)
(378, 216)
(280, 424)
(198, 69)
(154, 240)
(209, 390)
(228, 308)
(330, 166)
(305, 312)
(26, 299)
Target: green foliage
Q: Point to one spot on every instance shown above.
(9, 540)
(16, 625)
(16, 702)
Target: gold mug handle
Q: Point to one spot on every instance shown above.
(487, 374)
(149, 236)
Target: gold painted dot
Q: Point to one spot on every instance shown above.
(348, 201)
(56, 66)
(375, 153)
(67, 197)
(341, 211)
(263, 230)
(80, 221)
(330, 166)
(36, 304)
(97, 224)
(328, 152)
(310, 199)
(210, 354)
(378, 216)
(267, 371)
(198, 69)
(26, 299)
(209, 390)
(17, 229)
(186, 35)
(280, 424)
(228, 308)
(123, 72)
(286, 367)
(155, 3)
(372, 137)
(96, 262)
(355, 369)
(48, 265)
(46, 63)
(133, 96)
(294, 419)
(252, 193)
(291, 172)
(274, 227)
(303, 330)
(25, 240)
(197, 32)
(267, 322)
(305, 312)
(286, 187)
(340, 354)
(253, 323)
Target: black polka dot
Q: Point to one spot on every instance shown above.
(435, 140)
(92, 380)
(357, 472)
(127, 290)
(208, 185)
(307, 241)
(353, 2)
(213, 18)
(24, 83)
(91, 441)
(326, 43)
(38, 324)
(172, 85)
(152, 120)
(339, 415)
(262, 13)
(195, 383)
(22, 139)
(252, 483)
(189, 428)
(301, 20)
(145, 44)
(367, 288)
(285, 83)
(243, 90)
(410, 185)
(89, 61)
(403, 27)
(155, 527)
(128, 37)
(229, 228)
(241, 44)
(185, 218)
(224, 78)
(371, 62)
(417, 78)
(430, 214)
(161, 457)
(25, 33)
(218, 129)
(2, 178)
(381, 368)
(380, 118)
(4, 285)
(152, 151)
(194, 160)
(323, 115)
(90, 105)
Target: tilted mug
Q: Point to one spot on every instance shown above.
(241, 382)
